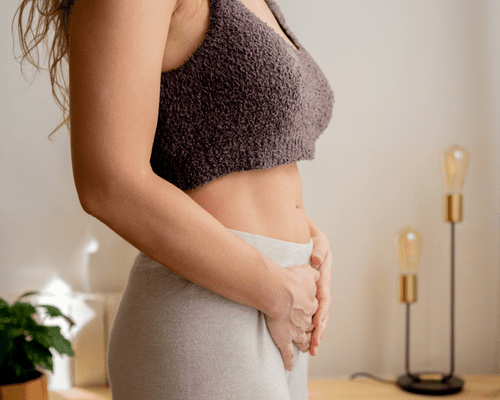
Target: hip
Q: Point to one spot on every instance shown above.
(181, 339)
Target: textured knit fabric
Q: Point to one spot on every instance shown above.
(174, 340)
(245, 99)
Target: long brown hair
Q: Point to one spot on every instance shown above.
(56, 13)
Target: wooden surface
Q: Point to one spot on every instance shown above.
(82, 393)
(476, 387)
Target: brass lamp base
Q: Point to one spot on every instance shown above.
(430, 384)
(452, 207)
(407, 288)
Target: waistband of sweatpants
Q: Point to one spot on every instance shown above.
(282, 252)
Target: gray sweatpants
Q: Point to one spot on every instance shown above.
(173, 339)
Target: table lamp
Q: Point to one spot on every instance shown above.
(408, 247)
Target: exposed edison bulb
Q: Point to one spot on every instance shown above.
(408, 248)
(455, 163)
(454, 167)
(408, 245)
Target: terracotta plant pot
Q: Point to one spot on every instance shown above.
(34, 389)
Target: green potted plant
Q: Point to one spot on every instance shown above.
(24, 345)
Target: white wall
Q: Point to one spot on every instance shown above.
(410, 79)
(43, 229)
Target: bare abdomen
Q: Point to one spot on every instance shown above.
(266, 202)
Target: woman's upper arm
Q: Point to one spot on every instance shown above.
(116, 54)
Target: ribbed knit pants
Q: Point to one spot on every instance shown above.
(172, 339)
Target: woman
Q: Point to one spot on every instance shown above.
(187, 120)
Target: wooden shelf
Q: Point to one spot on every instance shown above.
(82, 393)
(361, 388)
(476, 387)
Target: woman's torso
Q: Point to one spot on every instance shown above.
(265, 202)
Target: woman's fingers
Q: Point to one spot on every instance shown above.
(288, 356)
(323, 295)
(321, 260)
(322, 313)
(323, 292)
(316, 275)
(321, 248)
(305, 344)
(294, 324)
(316, 337)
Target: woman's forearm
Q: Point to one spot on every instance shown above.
(168, 226)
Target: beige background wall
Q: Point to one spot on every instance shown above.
(410, 79)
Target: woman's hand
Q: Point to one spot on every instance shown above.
(321, 259)
(294, 323)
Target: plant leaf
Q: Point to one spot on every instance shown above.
(47, 364)
(3, 304)
(21, 312)
(13, 331)
(25, 294)
(6, 345)
(18, 361)
(59, 342)
(41, 334)
(5, 314)
(55, 312)
(38, 354)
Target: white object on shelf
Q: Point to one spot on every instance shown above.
(93, 314)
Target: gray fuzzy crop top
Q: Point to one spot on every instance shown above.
(245, 99)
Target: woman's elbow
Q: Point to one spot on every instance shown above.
(91, 201)
(101, 197)
(93, 191)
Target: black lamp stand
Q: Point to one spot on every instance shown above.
(434, 384)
